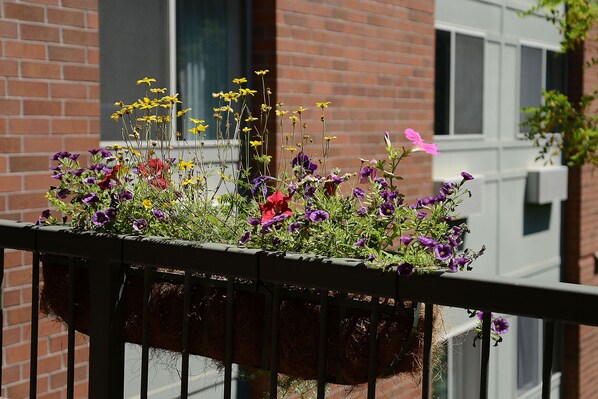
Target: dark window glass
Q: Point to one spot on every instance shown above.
(556, 71)
(210, 52)
(530, 81)
(442, 82)
(133, 39)
(528, 351)
(469, 84)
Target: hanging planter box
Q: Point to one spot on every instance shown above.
(399, 329)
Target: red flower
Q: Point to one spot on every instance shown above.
(113, 175)
(154, 171)
(276, 204)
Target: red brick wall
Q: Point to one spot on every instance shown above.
(374, 60)
(580, 244)
(49, 101)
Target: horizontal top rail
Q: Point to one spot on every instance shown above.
(517, 296)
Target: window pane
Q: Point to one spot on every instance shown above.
(465, 367)
(132, 48)
(530, 89)
(555, 71)
(528, 352)
(469, 84)
(442, 82)
(210, 51)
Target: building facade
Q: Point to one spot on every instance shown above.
(458, 71)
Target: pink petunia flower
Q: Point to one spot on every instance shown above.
(419, 144)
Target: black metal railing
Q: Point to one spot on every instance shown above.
(108, 256)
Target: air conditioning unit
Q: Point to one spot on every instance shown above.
(471, 205)
(546, 184)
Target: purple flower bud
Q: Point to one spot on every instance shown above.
(427, 242)
(46, 213)
(371, 257)
(360, 242)
(466, 176)
(361, 211)
(245, 238)
(421, 215)
(77, 172)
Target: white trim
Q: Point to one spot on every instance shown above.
(175, 143)
(172, 44)
(539, 45)
(460, 29)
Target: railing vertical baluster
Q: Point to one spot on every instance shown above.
(229, 335)
(485, 361)
(1, 313)
(145, 338)
(274, 343)
(547, 358)
(373, 347)
(427, 372)
(106, 342)
(34, 326)
(323, 344)
(342, 313)
(70, 367)
(185, 350)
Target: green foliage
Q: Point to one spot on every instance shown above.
(577, 137)
(574, 23)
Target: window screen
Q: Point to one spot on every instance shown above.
(133, 39)
(528, 353)
(469, 84)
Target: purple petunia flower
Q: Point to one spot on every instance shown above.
(318, 216)
(294, 227)
(371, 257)
(275, 220)
(158, 214)
(466, 176)
(427, 242)
(421, 215)
(452, 242)
(500, 325)
(443, 251)
(261, 182)
(254, 221)
(276, 241)
(99, 218)
(90, 180)
(110, 213)
(447, 188)
(62, 193)
(139, 224)
(77, 172)
(406, 240)
(366, 173)
(245, 238)
(381, 182)
(90, 198)
(405, 269)
(46, 213)
(360, 242)
(125, 196)
(105, 153)
(304, 162)
(387, 209)
(358, 192)
(57, 176)
(388, 195)
(361, 211)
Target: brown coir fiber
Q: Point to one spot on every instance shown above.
(299, 326)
